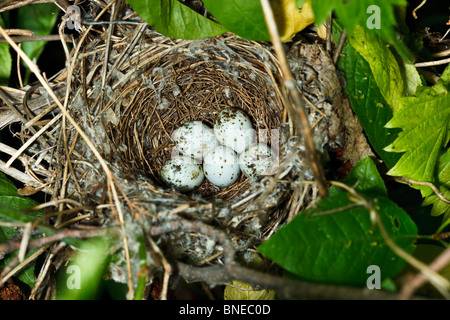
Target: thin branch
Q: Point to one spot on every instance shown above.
(441, 54)
(417, 8)
(340, 46)
(9, 273)
(298, 102)
(329, 32)
(284, 287)
(51, 37)
(12, 246)
(18, 4)
(411, 286)
(432, 63)
(427, 184)
(19, 32)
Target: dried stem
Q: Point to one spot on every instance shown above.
(411, 286)
(339, 46)
(52, 37)
(427, 184)
(298, 102)
(432, 63)
(417, 8)
(12, 246)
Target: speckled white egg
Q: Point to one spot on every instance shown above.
(194, 139)
(221, 166)
(256, 160)
(234, 129)
(182, 173)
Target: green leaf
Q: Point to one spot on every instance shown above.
(388, 73)
(366, 178)
(26, 274)
(11, 205)
(244, 291)
(319, 245)
(5, 60)
(367, 101)
(39, 18)
(424, 120)
(443, 184)
(7, 187)
(175, 20)
(83, 275)
(242, 17)
(338, 248)
(363, 13)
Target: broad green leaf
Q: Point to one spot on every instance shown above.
(366, 178)
(242, 17)
(388, 74)
(377, 17)
(336, 241)
(83, 275)
(39, 18)
(5, 60)
(424, 120)
(339, 247)
(7, 188)
(443, 184)
(175, 20)
(367, 101)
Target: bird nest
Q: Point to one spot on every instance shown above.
(126, 97)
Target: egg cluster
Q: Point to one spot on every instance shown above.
(224, 152)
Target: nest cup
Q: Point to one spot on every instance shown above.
(195, 83)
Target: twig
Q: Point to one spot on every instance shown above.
(432, 63)
(19, 4)
(19, 32)
(445, 35)
(42, 274)
(20, 176)
(440, 54)
(31, 140)
(428, 184)
(290, 84)
(284, 287)
(339, 46)
(411, 286)
(329, 32)
(167, 268)
(17, 268)
(51, 37)
(417, 8)
(12, 246)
